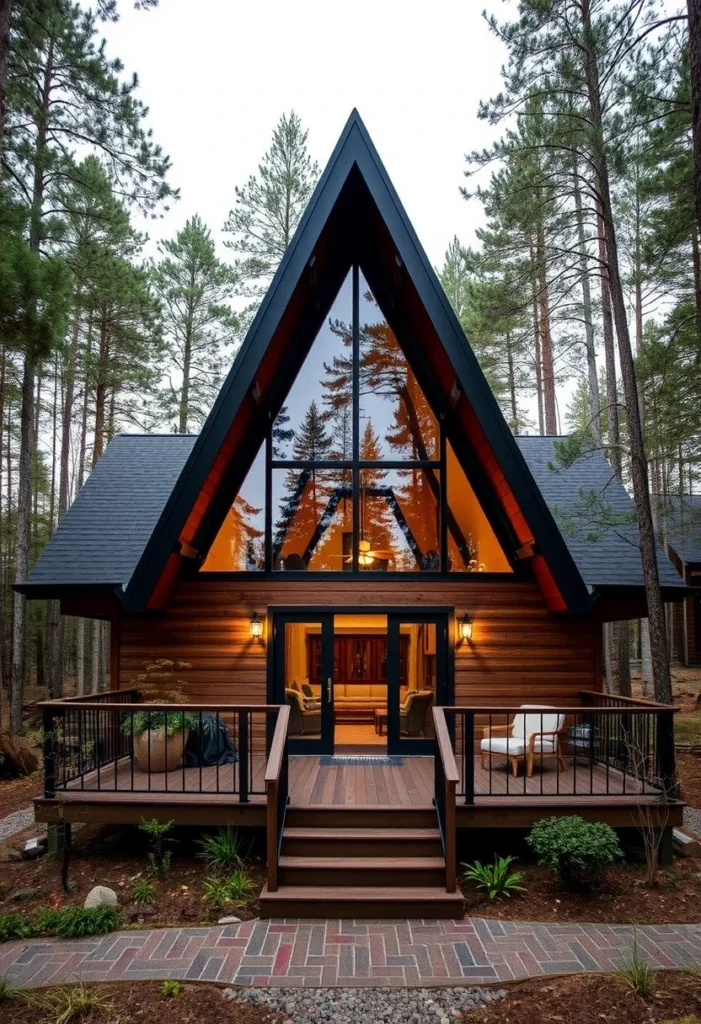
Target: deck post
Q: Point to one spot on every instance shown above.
(49, 745)
(243, 756)
(666, 763)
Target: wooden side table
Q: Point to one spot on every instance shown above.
(380, 722)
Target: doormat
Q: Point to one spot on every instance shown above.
(329, 761)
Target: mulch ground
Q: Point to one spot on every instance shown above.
(597, 999)
(126, 1003)
(689, 768)
(623, 897)
(117, 858)
(18, 793)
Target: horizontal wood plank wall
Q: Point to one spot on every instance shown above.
(519, 652)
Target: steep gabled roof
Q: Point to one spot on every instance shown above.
(596, 515)
(353, 215)
(112, 517)
(682, 521)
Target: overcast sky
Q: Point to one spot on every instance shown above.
(217, 74)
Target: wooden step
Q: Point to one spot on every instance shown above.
(361, 842)
(332, 816)
(364, 872)
(361, 902)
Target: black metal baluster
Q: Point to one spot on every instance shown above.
(243, 759)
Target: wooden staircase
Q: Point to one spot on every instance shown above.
(361, 862)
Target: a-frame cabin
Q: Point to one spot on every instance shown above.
(356, 538)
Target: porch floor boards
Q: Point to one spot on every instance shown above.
(407, 785)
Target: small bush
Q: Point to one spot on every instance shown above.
(143, 894)
(224, 850)
(14, 926)
(495, 879)
(159, 857)
(636, 972)
(171, 989)
(578, 850)
(77, 922)
(69, 1003)
(220, 891)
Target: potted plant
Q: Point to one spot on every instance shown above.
(159, 736)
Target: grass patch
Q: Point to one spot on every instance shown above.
(224, 850)
(687, 728)
(66, 923)
(69, 1003)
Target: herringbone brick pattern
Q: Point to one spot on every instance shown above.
(345, 953)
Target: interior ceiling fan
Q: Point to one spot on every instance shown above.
(367, 554)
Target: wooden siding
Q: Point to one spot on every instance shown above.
(519, 652)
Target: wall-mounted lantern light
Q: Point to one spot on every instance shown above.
(256, 627)
(465, 628)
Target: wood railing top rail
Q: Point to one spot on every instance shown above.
(102, 706)
(639, 701)
(580, 709)
(94, 697)
(445, 747)
(277, 747)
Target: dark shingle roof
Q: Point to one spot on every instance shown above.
(106, 529)
(596, 515)
(683, 524)
(103, 535)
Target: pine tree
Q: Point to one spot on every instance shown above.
(269, 206)
(194, 289)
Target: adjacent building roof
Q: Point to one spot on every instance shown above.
(682, 515)
(595, 514)
(103, 536)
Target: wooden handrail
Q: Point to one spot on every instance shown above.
(101, 706)
(449, 770)
(275, 775)
(580, 709)
(86, 697)
(636, 701)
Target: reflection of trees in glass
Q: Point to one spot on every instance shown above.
(282, 435)
(246, 541)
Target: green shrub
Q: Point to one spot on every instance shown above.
(578, 850)
(14, 926)
(496, 879)
(143, 894)
(224, 850)
(171, 989)
(77, 922)
(234, 889)
(159, 857)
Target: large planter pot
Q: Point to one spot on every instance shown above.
(156, 754)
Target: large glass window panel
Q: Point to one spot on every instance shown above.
(393, 408)
(239, 546)
(312, 519)
(399, 520)
(472, 543)
(316, 419)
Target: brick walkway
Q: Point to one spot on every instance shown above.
(344, 953)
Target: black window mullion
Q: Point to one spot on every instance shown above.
(356, 416)
(268, 555)
(443, 504)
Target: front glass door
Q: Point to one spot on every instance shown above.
(303, 674)
(417, 679)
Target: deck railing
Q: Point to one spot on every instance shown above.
(277, 793)
(112, 742)
(609, 746)
(446, 783)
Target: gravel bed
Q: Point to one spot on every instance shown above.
(692, 819)
(16, 821)
(369, 1005)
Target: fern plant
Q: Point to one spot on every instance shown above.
(495, 879)
(159, 857)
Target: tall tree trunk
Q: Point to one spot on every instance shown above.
(27, 433)
(4, 517)
(614, 436)
(86, 406)
(648, 553)
(80, 657)
(512, 382)
(694, 8)
(546, 347)
(101, 391)
(536, 346)
(95, 657)
(590, 343)
(5, 19)
(696, 263)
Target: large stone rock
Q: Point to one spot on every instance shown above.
(101, 896)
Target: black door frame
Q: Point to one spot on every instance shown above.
(445, 616)
(396, 743)
(323, 744)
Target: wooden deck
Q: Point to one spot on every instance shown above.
(199, 796)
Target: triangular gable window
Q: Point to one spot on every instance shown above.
(360, 478)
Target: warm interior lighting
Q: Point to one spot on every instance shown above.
(364, 556)
(256, 627)
(465, 628)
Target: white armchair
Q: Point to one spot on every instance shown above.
(527, 737)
